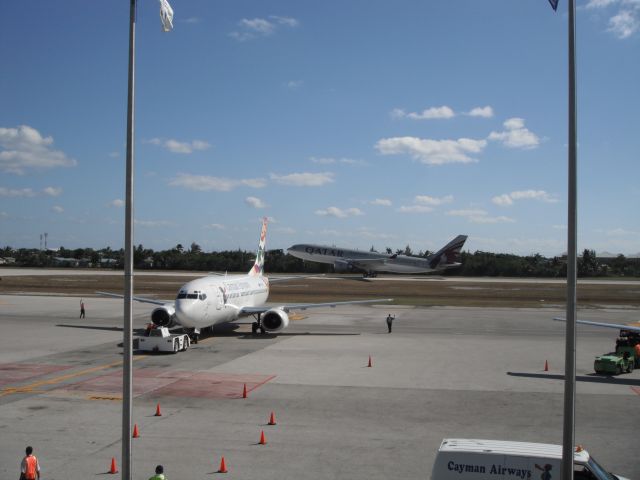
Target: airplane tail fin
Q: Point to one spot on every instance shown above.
(258, 266)
(449, 255)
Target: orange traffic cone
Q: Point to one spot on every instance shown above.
(244, 391)
(158, 413)
(114, 467)
(136, 434)
(546, 366)
(272, 419)
(370, 364)
(263, 441)
(223, 466)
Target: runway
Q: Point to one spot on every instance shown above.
(443, 372)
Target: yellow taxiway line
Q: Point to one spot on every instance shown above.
(31, 388)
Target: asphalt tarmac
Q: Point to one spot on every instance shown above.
(443, 372)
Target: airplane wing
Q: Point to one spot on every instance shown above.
(618, 326)
(137, 299)
(293, 277)
(305, 306)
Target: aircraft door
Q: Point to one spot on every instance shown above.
(220, 299)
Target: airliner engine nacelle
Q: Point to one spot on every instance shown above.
(164, 316)
(275, 320)
(342, 266)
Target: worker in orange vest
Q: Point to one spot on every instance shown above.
(30, 469)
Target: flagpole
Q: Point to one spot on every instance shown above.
(127, 344)
(568, 434)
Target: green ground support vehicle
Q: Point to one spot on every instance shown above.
(614, 364)
(624, 359)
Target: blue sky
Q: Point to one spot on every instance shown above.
(354, 123)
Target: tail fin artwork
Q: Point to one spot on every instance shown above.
(449, 255)
(258, 266)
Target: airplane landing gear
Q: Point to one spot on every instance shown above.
(257, 326)
(195, 335)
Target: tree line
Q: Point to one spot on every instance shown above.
(277, 261)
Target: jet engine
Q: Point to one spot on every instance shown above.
(164, 316)
(342, 266)
(275, 320)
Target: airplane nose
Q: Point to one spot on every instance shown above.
(185, 313)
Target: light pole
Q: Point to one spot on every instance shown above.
(166, 15)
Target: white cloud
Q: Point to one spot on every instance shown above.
(29, 192)
(154, 223)
(57, 209)
(220, 184)
(427, 114)
(385, 202)
(415, 209)
(339, 213)
(427, 200)
(484, 112)
(286, 230)
(332, 161)
(255, 202)
(117, 203)
(305, 179)
(516, 135)
(114, 154)
(293, 84)
(4, 215)
(23, 148)
(180, 147)
(479, 216)
(52, 191)
(261, 27)
(624, 24)
(621, 232)
(432, 152)
(599, 3)
(216, 226)
(507, 199)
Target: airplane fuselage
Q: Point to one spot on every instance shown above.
(211, 300)
(360, 259)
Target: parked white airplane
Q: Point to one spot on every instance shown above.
(344, 259)
(212, 300)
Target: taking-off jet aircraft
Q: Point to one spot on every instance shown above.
(344, 260)
(216, 299)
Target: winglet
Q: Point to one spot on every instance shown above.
(258, 266)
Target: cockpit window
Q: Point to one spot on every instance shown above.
(203, 296)
(182, 295)
(192, 295)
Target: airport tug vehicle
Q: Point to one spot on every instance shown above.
(159, 339)
(625, 357)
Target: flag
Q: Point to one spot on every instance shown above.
(166, 15)
(554, 4)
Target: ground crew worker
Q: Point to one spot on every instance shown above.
(390, 321)
(637, 350)
(159, 474)
(81, 308)
(29, 469)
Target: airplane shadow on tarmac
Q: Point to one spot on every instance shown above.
(591, 378)
(230, 330)
(136, 331)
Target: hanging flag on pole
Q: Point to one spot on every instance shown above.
(166, 15)
(554, 4)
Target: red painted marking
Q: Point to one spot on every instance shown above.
(173, 383)
(214, 385)
(636, 390)
(19, 372)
